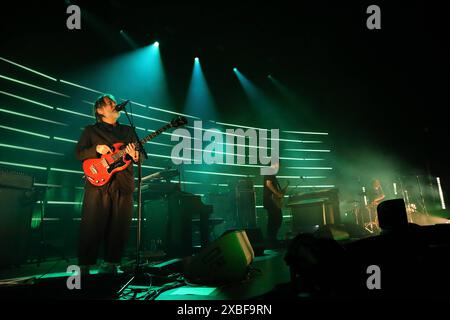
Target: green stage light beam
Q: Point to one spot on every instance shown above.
(128, 39)
(259, 100)
(199, 101)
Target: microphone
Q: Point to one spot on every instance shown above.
(121, 106)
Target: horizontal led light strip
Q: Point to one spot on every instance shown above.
(301, 159)
(302, 177)
(160, 144)
(306, 132)
(241, 126)
(220, 152)
(28, 69)
(235, 125)
(56, 186)
(219, 174)
(66, 170)
(317, 186)
(149, 118)
(167, 157)
(27, 100)
(74, 112)
(173, 112)
(30, 149)
(290, 140)
(152, 167)
(79, 86)
(22, 165)
(32, 117)
(24, 131)
(64, 202)
(308, 150)
(310, 168)
(33, 86)
(64, 139)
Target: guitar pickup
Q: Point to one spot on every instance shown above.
(104, 163)
(93, 170)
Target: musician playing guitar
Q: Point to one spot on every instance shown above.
(272, 196)
(107, 210)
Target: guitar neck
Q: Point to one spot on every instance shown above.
(144, 140)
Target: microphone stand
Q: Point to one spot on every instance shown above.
(141, 150)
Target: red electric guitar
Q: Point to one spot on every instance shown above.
(99, 171)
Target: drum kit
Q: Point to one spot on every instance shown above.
(364, 213)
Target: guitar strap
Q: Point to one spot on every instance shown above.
(278, 184)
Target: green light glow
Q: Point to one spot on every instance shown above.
(27, 100)
(30, 149)
(28, 69)
(33, 86)
(24, 131)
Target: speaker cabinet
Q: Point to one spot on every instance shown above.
(225, 260)
(16, 201)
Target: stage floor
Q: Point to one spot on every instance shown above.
(48, 280)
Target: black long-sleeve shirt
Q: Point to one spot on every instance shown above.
(104, 133)
(267, 193)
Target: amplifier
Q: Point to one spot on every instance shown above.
(14, 179)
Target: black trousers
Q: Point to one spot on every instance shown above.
(274, 219)
(106, 217)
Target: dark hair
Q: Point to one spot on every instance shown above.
(100, 102)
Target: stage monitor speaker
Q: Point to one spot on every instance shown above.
(225, 260)
(392, 215)
(256, 238)
(342, 232)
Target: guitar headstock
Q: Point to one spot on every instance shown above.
(178, 121)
